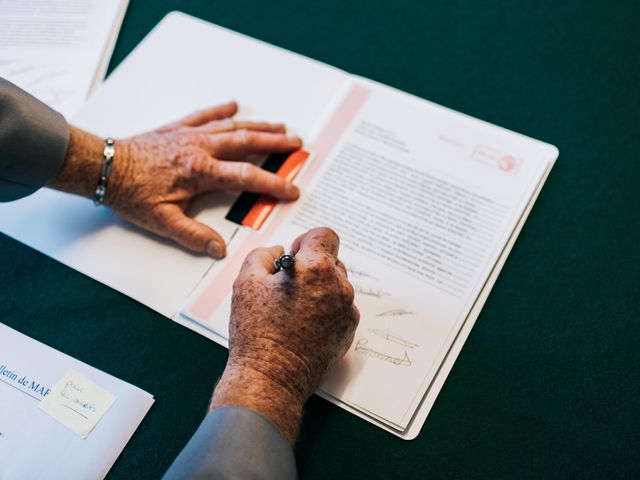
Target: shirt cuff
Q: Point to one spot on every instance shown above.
(33, 142)
(235, 442)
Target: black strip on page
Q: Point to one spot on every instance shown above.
(247, 200)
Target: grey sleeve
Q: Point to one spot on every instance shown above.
(33, 142)
(235, 442)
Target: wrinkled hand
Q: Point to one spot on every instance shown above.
(157, 174)
(293, 326)
(288, 329)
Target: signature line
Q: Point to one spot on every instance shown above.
(73, 410)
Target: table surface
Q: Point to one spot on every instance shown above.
(547, 384)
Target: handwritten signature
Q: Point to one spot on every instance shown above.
(393, 337)
(358, 273)
(361, 348)
(396, 312)
(370, 292)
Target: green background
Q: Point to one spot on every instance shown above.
(547, 384)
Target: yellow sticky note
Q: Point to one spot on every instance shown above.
(77, 403)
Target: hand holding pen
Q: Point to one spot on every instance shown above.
(287, 331)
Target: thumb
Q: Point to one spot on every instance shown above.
(191, 234)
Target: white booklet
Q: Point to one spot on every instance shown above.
(61, 418)
(427, 201)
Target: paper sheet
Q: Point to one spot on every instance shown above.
(57, 50)
(34, 444)
(424, 200)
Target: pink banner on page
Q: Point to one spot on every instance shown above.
(205, 305)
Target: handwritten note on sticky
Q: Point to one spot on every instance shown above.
(77, 403)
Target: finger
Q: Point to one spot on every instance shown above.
(260, 261)
(229, 125)
(316, 243)
(356, 314)
(342, 267)
(191, 234)
(240, 144)
(241, 176)
(201, 117)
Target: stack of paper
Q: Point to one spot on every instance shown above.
(58, 50)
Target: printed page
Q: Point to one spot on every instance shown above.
(56, 50)
(90, 417)
(424, 200)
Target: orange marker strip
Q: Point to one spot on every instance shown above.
(266, 203)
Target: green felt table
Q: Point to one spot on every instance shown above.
(547, 385)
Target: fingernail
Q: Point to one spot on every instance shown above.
(296, 140)
(216, 249)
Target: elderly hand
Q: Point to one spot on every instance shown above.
(287, 329)
(155, 175)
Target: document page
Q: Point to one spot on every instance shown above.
(57, 49)
(424, 200)
(61, 418)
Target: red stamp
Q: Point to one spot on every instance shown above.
(495, 158)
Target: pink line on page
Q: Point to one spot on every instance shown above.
(214, 294)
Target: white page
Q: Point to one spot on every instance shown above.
(57, 49)
(425, 201)
(33, 444)
(143, 93)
